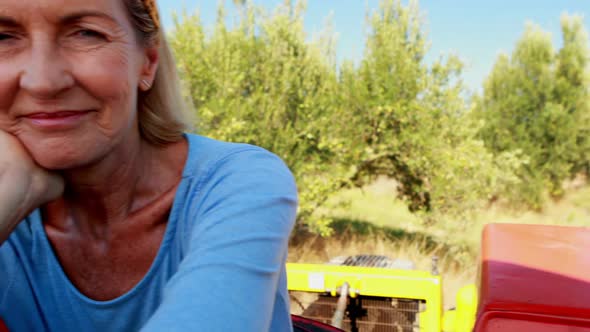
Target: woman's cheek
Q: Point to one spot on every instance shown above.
(105, 71)
(8, 87)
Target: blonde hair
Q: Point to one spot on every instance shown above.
(161, 108)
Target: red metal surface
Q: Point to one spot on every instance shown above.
(3, 327)
(517, 322)
(534, 278)
(303, 324)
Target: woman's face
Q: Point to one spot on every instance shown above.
(70, 71)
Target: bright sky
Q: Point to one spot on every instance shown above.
(476, 30)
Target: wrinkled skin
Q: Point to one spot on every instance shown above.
(70, 75)
(92, 64)
(24, 184)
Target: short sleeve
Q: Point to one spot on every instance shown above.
(229, 279)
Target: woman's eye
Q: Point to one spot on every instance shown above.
(89, 34)
(5, 37)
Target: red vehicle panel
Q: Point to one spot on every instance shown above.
(534, 278)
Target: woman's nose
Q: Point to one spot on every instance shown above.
(46, 72)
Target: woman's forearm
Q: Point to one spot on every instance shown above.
(14, 203)
(24, 185)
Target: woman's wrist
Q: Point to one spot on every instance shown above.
(14, 202)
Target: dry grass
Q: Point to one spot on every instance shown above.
(373, 221)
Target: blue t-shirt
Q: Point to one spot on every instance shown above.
(220, 267)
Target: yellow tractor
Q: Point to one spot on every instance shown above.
(531, 278)
(369, 293)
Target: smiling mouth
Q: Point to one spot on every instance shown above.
(55, 115)
(60, 120)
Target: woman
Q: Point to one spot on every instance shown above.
(111, 218)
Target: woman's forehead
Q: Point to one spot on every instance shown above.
(55, 10)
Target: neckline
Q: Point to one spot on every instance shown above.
(149, 275)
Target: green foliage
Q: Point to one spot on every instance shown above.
(262, 83)
(410, 121)
(536, 102)
(260, 80)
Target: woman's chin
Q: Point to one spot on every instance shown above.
(62, 157)
(58, 162)
(61, 153)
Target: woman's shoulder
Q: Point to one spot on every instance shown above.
(238, 182)
(210, 157)
(203, 146)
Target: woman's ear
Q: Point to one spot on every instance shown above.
(149, 67)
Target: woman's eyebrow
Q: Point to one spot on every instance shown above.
(6, 21)
(77, 16)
